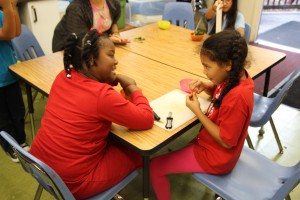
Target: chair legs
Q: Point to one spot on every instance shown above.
(249, 142)
(38, 193)
(276, 136)
(261, 131)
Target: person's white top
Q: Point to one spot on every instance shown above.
(239, 22)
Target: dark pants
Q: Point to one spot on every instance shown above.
(12, 113)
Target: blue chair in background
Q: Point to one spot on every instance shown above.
(27, 46)
(49, 180)
(264, 107)
(253, 177)
(247, 32)
(180, 14)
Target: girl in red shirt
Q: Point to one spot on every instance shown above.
(73, 138)
(221, 138)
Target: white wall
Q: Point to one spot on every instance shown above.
(251, 10)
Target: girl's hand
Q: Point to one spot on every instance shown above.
(218, 3)
(127, 83)
(192, 102)
(117, 39)
(197, 86)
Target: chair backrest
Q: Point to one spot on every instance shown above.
(276, 101)
(253, 177)
(27, 46)
(49, 180)
(247, 32)
(180, 14)
(45, 176)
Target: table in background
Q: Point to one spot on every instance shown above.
(155, 79)
(175, 48)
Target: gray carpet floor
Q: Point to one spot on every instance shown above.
(286, 34)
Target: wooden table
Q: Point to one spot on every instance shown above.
(155, 79)
(157, 64)
(175, 48)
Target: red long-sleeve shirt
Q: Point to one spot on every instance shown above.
(233, 118)
(73, 136)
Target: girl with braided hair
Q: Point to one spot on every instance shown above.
(82, 15)
(220, 141)
(82, 105)
(232, 18)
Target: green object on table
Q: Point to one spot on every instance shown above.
(121, 21)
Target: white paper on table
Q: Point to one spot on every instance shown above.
(219, 19)
(174, 102)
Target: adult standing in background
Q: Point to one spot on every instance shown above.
(232, 18)
(82, 15)
(12, 110)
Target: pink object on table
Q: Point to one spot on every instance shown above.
(184, 84)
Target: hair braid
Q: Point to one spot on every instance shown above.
(90, 48)
(71, 54)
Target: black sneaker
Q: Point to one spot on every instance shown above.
(13, 156)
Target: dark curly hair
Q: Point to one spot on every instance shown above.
(222, 48)
(82, 49)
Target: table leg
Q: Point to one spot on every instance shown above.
(146, 178)
(265, 93)
(267, 81)
(30, 109)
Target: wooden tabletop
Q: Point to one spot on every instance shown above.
(175, 48)
(155, 79)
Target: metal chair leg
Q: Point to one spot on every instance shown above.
(288, 197)
(38, 193)
(276, 136)
(261, 131)
(249, 142)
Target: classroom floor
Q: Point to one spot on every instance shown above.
(16, 184)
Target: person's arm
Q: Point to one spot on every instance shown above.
(75, 19)
(116, 37)
(135, 114)
(239, 24)
(17, 17)
(241, 31)
(213, 129)
(8, 30)
(114, 29)
(211, 11)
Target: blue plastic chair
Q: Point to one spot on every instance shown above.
(180, 14)
(264, 107)
(49, 180)
(247, 32)
(27, 46)
(253, 177)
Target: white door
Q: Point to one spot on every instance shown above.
(41, 17)
(251, 10)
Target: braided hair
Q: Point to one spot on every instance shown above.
(222, 48)
(230, 16)
(82, 49)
